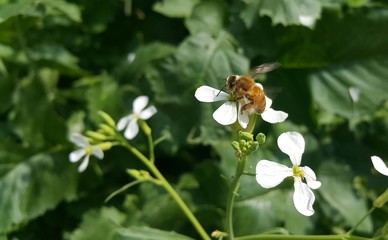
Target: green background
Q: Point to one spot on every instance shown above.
(62, 61)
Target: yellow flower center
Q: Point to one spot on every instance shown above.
(297, 172)
(88, 150)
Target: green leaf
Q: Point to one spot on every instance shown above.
(71, 10)
(25, 8)
(208, 16)
(144, 57)
(146, 233)
(33, 187)
(297, 12)
(34, 8)
(357, 38)
(175, 8)
(100, 224)
(56, 56)
(330, 87)
(337, 190)
(34, 117)
(103, 94)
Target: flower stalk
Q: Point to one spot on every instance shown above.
(232, 193)
(163, 182)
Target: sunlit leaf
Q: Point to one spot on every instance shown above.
(33, 187)
(299, 12)
(208, 16)
(71, 10)
(175, 8)
(35, 8)
(26, 8)
(330, 87)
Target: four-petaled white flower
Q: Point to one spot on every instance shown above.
(379, 165)
(230, 111)
(270, 174)
(130, 121)
(85, 151)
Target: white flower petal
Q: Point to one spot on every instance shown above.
(209, 94)
(292, 144)
(273, 116)
(132, 129)
(226, 114)
(96, 151)
(76, 155)
(268, 103)
(310, 177)
(79, 140)
(123, 122)
(379, 165)
(270, 174)
(303, 198)
(148, 112)
(243, 119)
(354, 94)
(84, 164)
(260, 86)
(139, 104)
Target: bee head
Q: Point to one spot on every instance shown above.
(231, 81)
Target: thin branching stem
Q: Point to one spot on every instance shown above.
(231, 195)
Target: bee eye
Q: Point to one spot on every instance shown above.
(231, 80)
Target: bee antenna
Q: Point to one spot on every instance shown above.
(221, 90)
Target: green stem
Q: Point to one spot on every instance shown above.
(232, 193)
(147, 130)
(301, 237)
(170, 190)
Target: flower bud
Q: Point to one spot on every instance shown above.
(235, 145)
(260, 138)
(107, 129)
(246, 136)
(96, 135)
(381, 200)
(243, 143)
(105, 146)
(253, 147)
(108, 119)
(134, 173)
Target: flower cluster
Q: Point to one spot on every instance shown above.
(129, 123)
(270, 174)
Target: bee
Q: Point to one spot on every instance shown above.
(244, 88)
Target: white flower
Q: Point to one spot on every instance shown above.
(379, 165)
(85, 151)
(130, 121)
(270, 174)
(230, 111)
(227, 113)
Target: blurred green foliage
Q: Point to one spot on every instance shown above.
(62, 61)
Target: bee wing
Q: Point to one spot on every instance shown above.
(266, 67)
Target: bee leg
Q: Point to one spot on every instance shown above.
(249, 107)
